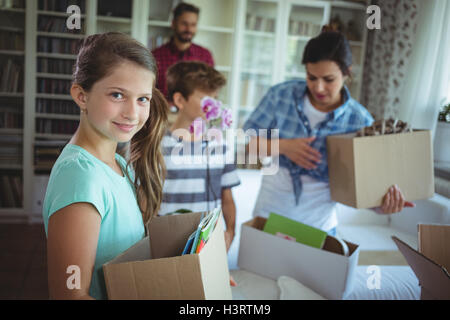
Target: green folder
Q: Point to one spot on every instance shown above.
(283, 226)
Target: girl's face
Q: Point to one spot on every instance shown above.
(325, 81)
(119, 105)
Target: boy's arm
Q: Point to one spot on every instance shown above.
(229, 214)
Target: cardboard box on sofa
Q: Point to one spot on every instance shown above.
(154, 268)
(431, 263)
(326, 270)
(361, 169)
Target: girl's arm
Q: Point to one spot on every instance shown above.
(72, 242)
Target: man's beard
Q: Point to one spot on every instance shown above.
(182, 37)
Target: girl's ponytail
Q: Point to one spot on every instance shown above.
(147, 160)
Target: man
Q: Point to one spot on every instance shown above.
(180, 46)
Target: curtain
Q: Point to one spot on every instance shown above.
(388, 53)
(427, 77)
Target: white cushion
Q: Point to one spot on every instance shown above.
(291, 289)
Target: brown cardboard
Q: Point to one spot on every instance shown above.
(433, 276)
(361, 169)
(326, 271)
(154, 269)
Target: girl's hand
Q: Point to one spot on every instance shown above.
(393, 202)
(300, 152)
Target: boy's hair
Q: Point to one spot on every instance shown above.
(184, 7)
(187, 76)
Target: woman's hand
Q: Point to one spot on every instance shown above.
(393, 201)
(300, 152)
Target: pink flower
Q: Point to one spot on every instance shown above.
(227, 118)
(197, 127)
(211, 108)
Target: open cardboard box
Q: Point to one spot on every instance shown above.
(154, 269)
(326, 271)
(361, 169)
(431, 263)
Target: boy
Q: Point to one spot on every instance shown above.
(189, 185)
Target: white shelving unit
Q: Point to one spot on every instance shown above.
(253, 43)
(12, 110)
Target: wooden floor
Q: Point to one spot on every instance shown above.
(23, 262)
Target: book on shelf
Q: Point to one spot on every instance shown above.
(13, 41)
(54, 86)
(51, 65)
(56, 106)
(58, 45)
(11, 117)
(11, 195)
(51, 126)
(57, 24)
(60, 5)
(12, 76)
(157, 41)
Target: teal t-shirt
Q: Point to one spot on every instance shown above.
(78, 176)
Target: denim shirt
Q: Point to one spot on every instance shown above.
(282, 108)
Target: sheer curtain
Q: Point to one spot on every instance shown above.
(389, 51)
(427, 78)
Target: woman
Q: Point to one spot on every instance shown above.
(306, 112)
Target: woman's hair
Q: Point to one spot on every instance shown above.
(187, 76)
(98, 56)
(329, 45)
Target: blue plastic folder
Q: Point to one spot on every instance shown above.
(294, 230)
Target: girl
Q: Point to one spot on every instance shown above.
(97, 204)
(306, 112)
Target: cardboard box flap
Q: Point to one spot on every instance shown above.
(166, 278)
(214, 265)
(168, 234)
(138, 252)
(431, 276)
(434, 243)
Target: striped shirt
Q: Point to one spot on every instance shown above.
(186, 184)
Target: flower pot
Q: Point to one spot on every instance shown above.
(442, 142)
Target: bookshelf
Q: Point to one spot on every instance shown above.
(253, 44)
(12, 57)
(216, 31)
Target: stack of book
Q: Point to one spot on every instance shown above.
(200, 236)
(60, 5)
(46, 153)
(12, 77)
(11, 195)
(60, 66)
